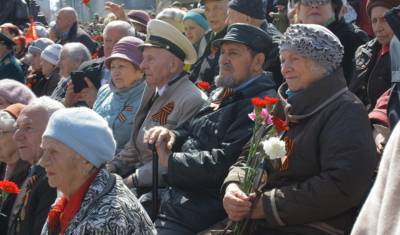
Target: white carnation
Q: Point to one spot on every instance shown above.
(274, 148)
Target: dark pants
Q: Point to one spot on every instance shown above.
(187, 213)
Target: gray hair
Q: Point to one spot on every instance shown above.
(47, 103)
(7, 122)
(77, 52)
(123, 26)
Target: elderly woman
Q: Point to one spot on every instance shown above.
(330, 160)
(196, 25)
(35, 70)
(372, 75)
(72, 55)
(49, 66)
(12, 92)
(119, 101)
(16, 170)
(327, 13)
(77, 143)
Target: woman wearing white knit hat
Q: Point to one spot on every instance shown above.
(49, 63)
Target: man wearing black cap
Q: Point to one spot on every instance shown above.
(199, 153)
(252, 12)
(9, 65)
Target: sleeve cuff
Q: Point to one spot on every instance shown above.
(272, 216)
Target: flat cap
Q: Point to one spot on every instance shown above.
(251, 36)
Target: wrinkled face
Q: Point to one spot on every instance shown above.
(66, 64)
(36, 62)
(64, 167)
(155, 65)
(315, 13)
(236, 17)
(235, 65)
(381, 28)
(31, 124)
(111, 36)
(7, 147)
(124, 73)
(4, 103)
(193, 31)
(299, 72)
(47, 68)
(216, 13)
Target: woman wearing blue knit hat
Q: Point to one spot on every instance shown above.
(195, 27)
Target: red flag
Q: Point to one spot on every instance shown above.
(31, 32)
(86, 2)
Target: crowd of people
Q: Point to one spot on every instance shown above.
(138, 123)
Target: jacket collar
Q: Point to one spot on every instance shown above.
(314, 98)
(262, 83)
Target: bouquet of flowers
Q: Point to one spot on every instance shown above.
(7, 187)
(272, 148)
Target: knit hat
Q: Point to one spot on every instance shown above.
(52, 54)
(84, 131)
(197, 18)
(389, 4)
(15, 109)
(173, 16)
(39, 45)
(315, 42)
(127, 48)
(252, 8)
(139, 16)
(15, 92)
(41, 31)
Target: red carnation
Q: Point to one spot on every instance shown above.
(259, 102)
(280, 124)
(85, 2)
(205, 86)
(271, 100)
(9, 187)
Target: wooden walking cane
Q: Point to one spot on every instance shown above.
(155, 183)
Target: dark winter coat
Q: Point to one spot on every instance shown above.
(76, 34)
(351, 38)
(205, 148)
(372, 75)
(330, 163)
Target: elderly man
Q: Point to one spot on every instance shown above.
(206, 67)
(243, 11)
(33, 202)
(67, 25)
(169, 99)
(72, 56)
(112, 33)
(199, 153)
(9, 65)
